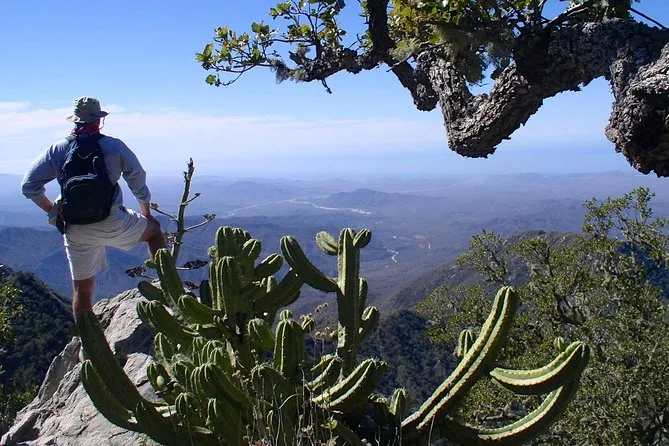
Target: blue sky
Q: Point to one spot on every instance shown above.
(138, 59)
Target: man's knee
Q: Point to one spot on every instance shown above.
(152, 230)
(154, 227)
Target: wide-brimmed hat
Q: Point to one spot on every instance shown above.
(86, 109)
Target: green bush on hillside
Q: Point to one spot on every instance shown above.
(606, 286)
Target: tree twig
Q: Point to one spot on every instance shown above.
(650, 19)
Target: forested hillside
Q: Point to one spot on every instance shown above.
(606, 287)
(38, 333)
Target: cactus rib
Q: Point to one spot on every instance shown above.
(563, 368)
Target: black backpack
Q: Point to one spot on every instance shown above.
(85, 188)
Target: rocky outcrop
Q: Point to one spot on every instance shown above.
(62, 413)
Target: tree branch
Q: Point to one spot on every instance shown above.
(629, 54)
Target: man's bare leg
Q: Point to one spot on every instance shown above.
(82, 299)
(153, 236)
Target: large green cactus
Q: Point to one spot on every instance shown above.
(225, 377)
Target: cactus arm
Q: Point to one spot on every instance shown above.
(211, 381)
(353, 390)
(224, 419)
(188, 409)
(104, 401)
(151, 292)
(381, 411)
(251, 250)
(214, 286)
(530, 426)
(182, 370)
(269, 266)
(289, 348)
(327, 243)
(567, 365)
(284, 293)
(472, 366)
(362, 238)
(260, 334)
(465, 341)
(229, 275)
(270, 383)
(195, 312)
(155, 315)
(308, 324)
(344, 436)
(369, 322)
(103, 360)
(156, 425)
(358, 394)
(348, 295)
(226, 242)
(163, 348)
(399, 405)
(169, 277)
(205, 293)
(294, 255)
(328, 375)
(158, 377)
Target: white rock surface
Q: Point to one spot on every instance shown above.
(62, 413)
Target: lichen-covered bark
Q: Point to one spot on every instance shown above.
(627, 53)
(639, 124)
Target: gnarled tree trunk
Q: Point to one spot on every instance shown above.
(631, 55)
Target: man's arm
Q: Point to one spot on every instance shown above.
(135, 176)
(38, 174)
(146, 211)
(44, 203)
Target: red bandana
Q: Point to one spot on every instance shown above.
(88, 128)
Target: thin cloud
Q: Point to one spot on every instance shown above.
(164, 136)
(6, 107)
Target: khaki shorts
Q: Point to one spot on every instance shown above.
(85, 244)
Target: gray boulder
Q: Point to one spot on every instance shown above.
(62, 413)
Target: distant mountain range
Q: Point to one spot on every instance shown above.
(418, 224)
(452, 275)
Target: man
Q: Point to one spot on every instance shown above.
(85, 243)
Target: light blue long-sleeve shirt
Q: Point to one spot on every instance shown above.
(119, 159)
